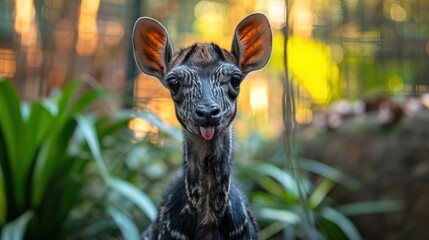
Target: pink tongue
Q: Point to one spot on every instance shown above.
(207, 132)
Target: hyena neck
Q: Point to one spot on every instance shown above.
(207, 169)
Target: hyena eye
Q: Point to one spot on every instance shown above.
(235, 81)
(173, 84)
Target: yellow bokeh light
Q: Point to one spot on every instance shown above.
(7, 62)
(276, 13)
(311, 65)
(25, 24)
(301, 19)
(210, 20)
(24, 15)
(397, 13)
(87, 28)
(141, 127)
(395, 83)
(304, 116)
(259, 96)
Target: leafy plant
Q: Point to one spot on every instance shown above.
(281, 210)
(52, 158)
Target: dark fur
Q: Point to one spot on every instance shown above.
(211, 207)
(203, 202)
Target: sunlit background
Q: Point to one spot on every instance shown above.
(359, 74)
(337, 49)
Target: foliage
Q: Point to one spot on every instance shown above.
(282, 212)
(53, 173)
(69, 174)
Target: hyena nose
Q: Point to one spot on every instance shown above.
(207, 115)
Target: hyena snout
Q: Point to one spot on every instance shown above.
(207, 114)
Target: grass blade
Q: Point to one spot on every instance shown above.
(361, 208)
(329, 173)
(279, 215)
(320, 193)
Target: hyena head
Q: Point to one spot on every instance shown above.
(204, 80)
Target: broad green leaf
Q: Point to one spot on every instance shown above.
(271, 230)
(87, 99)
(281, 176)
(274, 188)
(15, 230)
(36, 128)
(279, 215)
(87, 128)
(371, 207)
(342, 222)
(2, 198)
(11, 129)
(67, 94)
(330, 230)
(329, 173)
(51, 156)
(320, 193)
(133, 194)
(128, 229)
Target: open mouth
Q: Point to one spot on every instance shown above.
(207, 132)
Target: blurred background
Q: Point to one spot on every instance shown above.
(359, 75)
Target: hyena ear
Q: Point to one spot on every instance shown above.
(252, 42)
(152, 47)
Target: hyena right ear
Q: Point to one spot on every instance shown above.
(152, 47)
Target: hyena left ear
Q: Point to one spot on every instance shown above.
(252, 42)
(152, 47)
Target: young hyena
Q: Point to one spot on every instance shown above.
(204, 82)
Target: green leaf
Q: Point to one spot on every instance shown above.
(279, 215)
(271, 230)
(51, 156)
(15, 230)
(67, 95)
(281, 176)
(342, 222)
(3, 204)
(87, 99)
(329, 173)
(87, 128)
(134, 195)
(320, 192)
(128, 229)
(12, 131)
(370, 207)
(37, 128)
(275, 189)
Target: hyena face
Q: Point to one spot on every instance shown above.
(204, 80)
